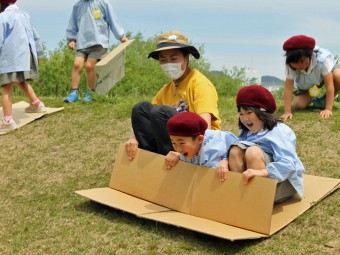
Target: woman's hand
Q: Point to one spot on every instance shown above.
(131, 147)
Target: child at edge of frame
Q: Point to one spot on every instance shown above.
(18, 37)
(309, 67)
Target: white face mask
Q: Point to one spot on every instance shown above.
(173, 70)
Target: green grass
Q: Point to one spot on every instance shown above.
(43, 163)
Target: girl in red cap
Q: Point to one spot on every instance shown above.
(309, 67)
(266, 146)
(20, 49)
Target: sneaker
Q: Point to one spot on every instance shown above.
(88, 97)
(5, 127)
(35, 109)
(319, 102)
(72, 97)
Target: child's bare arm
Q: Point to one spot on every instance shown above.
(329, 84)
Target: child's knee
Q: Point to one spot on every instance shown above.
(253, 153)
(77, 66)
(235, 152)
(89, 67)
(301, 102)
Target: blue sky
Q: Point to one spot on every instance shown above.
(243, 33)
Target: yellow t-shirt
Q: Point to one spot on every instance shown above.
(194, 94)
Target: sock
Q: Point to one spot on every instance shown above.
(74, 91)
(7, 119)
(36, 102)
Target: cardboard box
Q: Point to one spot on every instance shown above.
(111, 68)
(192, 197)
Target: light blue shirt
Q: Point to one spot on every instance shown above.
(214, 148)
(91, 22)
(18, 38)
(321, 64)
(279, 142)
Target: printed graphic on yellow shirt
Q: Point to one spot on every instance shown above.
(181, 106)
(96, 14)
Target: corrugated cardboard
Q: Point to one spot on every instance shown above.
(192, 197)
(111, 68)
(22, 118)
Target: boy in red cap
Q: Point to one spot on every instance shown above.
(309, 67)
(196, 144)
(20, 49)
(265, 147)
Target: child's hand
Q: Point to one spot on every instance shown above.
(131, 147)
(222, 170)
(171, 159)
(326, 113)
(123, 39)
(72, 45)
(250, 173)
(286, 116)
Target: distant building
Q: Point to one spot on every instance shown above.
(252, 76)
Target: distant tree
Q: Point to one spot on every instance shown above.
(143, 77)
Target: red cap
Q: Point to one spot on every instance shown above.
(299, 42)
(8, 1)
(187, 124)
(256, 95)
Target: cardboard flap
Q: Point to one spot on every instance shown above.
(111, 68)
(121, 201)
(145, 177)
(232, 202)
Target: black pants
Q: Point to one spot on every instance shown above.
(149, 123)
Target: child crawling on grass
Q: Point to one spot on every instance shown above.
(196, 144)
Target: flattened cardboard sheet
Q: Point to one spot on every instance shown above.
(202, 225)
(148, 165)
(22, 118)
(111, 68)
(121, 201)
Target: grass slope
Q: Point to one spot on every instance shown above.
(43, 163)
